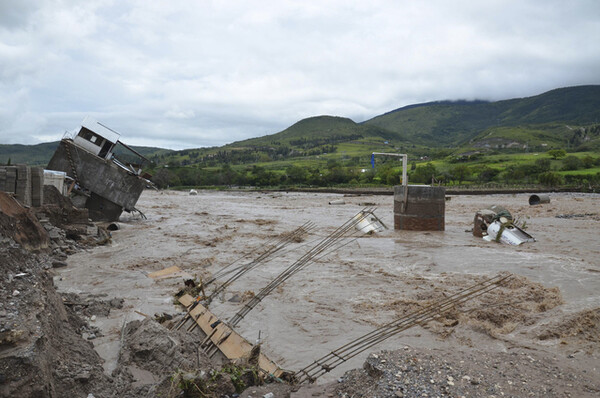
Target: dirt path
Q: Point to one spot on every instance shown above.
(366, 283)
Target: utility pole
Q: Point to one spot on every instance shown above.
(404, 163)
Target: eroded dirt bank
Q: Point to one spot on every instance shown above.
(42, 353)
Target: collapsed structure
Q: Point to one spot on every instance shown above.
(496, 223)
(221, 335)
(104, 182)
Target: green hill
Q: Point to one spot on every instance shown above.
(454, 123)
(538, 138)
(35, 155)
(40, 154)
(319, 134)
(565, 118)
(320, 130)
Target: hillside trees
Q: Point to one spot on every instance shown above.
(296, 174)
(551, 179)
(588, 162)
(261, 177)
(460, 172)
(571, 162)
(487, 174)
(424, 174)
(557, 153)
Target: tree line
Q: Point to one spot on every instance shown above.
(541, 171)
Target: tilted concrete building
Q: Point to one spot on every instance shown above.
(102, 183)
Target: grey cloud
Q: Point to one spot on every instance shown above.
(189, 74)
(14, 14)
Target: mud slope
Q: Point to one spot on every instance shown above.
(41, 353)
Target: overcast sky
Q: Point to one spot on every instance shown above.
(185, 74)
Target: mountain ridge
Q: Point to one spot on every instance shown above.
(551, 119)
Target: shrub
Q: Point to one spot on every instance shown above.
(424, 174)
(551, 179)
(572, 162)
(557, 153)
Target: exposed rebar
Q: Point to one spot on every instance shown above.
(238, 272)
(419, 317)
(346, 230)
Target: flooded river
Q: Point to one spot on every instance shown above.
(345, 294)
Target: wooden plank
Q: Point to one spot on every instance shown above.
(166, 273)
(186, 300)
(227, 340)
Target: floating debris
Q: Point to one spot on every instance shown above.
(507, 233)
(539, 199)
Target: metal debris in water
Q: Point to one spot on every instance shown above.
(238, 272)
(333, 241)
(420, 317)
(280, 242)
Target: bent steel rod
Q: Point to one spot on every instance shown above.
(242, 270)
(421, 316)
(385, 331)
(418, 320)
(417, 317)
(271, 248)
(282, 241)
(333, 359)
(326, 243)
(340, 233)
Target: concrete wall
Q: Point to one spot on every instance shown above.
(2, 179)
(54, 178)
(26, 183)
(37, 186)
(8, 182)
(23, 192)
(101, 177)
(421, 208)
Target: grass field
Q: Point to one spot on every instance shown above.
(592, 171)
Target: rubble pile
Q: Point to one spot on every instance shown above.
(81, 309)
(412, 372)
(154, 361)
(68, 227)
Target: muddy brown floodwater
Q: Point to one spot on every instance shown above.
(365, 284)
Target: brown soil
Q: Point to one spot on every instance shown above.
(20, 224)
(579, 328)
(42, 353)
